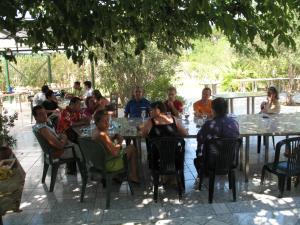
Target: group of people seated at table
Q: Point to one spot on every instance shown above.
(163, 121)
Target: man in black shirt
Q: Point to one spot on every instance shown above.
(50, 104)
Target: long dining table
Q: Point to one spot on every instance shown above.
(249, 125)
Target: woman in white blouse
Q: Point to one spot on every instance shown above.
(271, 106)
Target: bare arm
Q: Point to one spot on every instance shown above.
(272, 108)
(175, 112)
(52, 139)
(110, 146)
(83, 121)
(181, 130)
(69, 95)
(52, 111)
(145, 128)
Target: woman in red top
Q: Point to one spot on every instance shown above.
(71, 116)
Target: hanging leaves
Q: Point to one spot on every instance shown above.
(80, 25)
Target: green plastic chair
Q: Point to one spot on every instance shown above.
(284, 169)
(53, 162)
(95, 157)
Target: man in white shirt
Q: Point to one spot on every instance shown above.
(88, 89)
(40, 97)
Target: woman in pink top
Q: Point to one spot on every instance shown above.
(100, 101)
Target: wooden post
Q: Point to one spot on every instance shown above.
(93, 74)
(7, 81)
(49, 69)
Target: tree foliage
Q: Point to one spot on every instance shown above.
(152, 70)
(79, 25)
(210, 57)
(32, 70)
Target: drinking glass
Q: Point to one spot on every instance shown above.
(92, 124)
(143, 114)
(204, 117)
(186, 114)
(199, 122)
(110, 123)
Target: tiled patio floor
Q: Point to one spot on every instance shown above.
(255, 204)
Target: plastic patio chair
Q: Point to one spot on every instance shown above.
(53, 162)
(94, 157)
(167, 158)
(220, 158)
(287, 169)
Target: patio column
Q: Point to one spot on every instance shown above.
(93, 74)
(7, 81)
(49, 69)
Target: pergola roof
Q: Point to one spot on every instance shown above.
(8, 42)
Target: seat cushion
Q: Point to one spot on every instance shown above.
(282, 168)
(114, 164)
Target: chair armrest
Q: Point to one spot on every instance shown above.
(69, 146)
(73, 149)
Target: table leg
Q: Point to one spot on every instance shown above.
(242, 155)
(1, 105)
(228, 105)
(20, 103)
(140, 160)
(231, 105)
(248, 105)
(1, 221)
(267, 149)
(253, 104)
(247, 158)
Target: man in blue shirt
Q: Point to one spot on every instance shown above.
(137, 104)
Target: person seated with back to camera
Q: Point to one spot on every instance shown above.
(174, 106)
(114, 147)
(203, 106)
(220, 126)
(162, 125)
(272, 105)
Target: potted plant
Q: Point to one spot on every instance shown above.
(6, 140)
